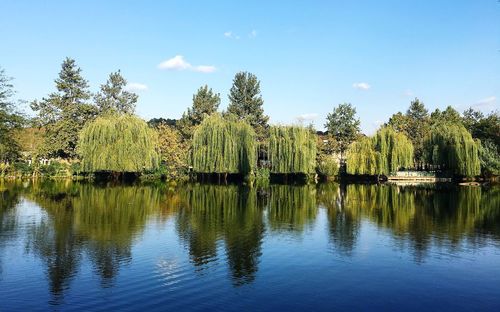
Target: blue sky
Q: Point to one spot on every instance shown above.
(309, 55)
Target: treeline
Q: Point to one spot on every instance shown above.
(75, 132)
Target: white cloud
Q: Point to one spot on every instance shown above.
(307, 117)
(252, 34)
(175, 63)
(179, 63)
(487, 102)
(204, 69)
(361, 86)
(135, 86)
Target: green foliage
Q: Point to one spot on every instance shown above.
(10, 120)
(327, 166)
(415, 124)
(224, 146)
(205, 103)
(173, 151)
(449, 115)
(119, 144)
(484, 128)
(65, 112)
(343, 125)
(489, 156)
(262, 176)
(362, 158)
(394, 151)
(113, 98)
(246, 103)
(451, 148)
(292, 150)
(385, 153)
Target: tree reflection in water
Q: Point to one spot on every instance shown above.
(101, 224)
(423, 215)
(231, 214)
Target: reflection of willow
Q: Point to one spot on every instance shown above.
(427, 215)
(99, 221)
(344, 224)
(291, 208)
(230, 213)
(8, 200)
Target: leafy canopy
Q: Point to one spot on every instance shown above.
(224, 146)
(205, 103)
(113, 98)
(118, 143)
(343, 125)
(10, 120)
(451, 147)
(245, 102)
(383, 154)
(65, 112)
(292, 150)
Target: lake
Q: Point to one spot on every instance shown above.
(70, 246)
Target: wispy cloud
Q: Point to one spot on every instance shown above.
(204, 69)
(231, 35)
(135, 87)
(179, 63)
(485, 103)
(361, 86)
(408, 92)
(252, 34)
(307, 117)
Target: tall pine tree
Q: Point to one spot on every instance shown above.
(65, 112)
(246, 102)
(205, 103)
(113, 98)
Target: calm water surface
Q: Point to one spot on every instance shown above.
(71, 247)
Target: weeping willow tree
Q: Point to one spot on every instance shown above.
(224, 146)
(450, 147)
(362, 158)
(118, 144)
(383, 154)
(292, 150)
(394, 149)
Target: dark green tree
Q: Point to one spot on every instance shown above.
(245, 102)
(484, 128)
(65, 112)
(471, 118)
(205, 103)
(449, 115)
(399, 122)
(343, 125)
(10, 120)
(417, 127)
(113, 98)
(489, 155)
